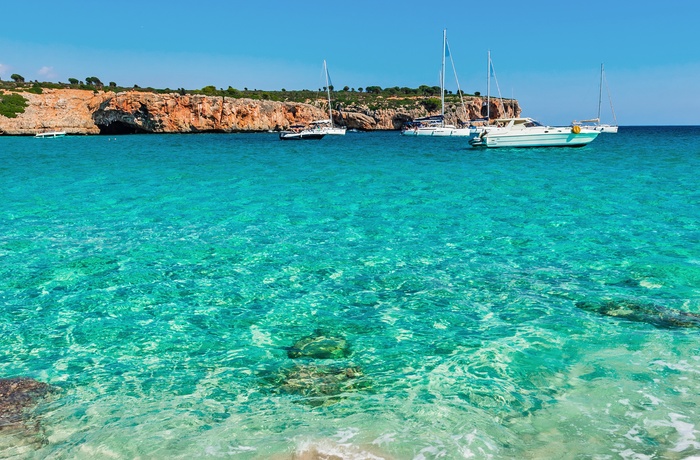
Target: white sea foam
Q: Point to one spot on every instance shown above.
(326, 448)
(433, 451)
(346, 435)
(633, 435)
(686, 431)
(681, 365)
(386, 438)
(632, 455)
(653, 399)
(260, 338)
(650, 285)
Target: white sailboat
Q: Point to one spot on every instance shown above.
(327, 126)
(435, 125)
(594, 123)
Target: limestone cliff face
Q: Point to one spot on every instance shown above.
(69, 110)
(173, 113)
(88, 112)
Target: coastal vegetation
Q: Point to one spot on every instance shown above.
(373, 97)
(12, 104)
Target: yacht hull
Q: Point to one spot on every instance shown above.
(605, 129)
(50, 134)
(439, 132)
(543, 139)
(287, 136)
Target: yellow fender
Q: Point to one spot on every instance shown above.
(576, 129)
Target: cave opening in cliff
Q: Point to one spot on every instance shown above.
(484, 110)
(118, 127)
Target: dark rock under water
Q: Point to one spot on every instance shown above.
(20, 429)
(660, 317)
(17, 395)
(319, 384)
(320, 346)
(321, 376)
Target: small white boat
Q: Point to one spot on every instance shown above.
(594, 123)
(435, 126)
(300, 132)
(526, 132)
(50, 134)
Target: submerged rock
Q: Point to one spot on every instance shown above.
(665, 318)
(319, 384)
(320, 346)
(16, 396)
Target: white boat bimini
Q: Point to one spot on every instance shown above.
(526, 132)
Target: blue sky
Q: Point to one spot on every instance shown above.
(546, 54)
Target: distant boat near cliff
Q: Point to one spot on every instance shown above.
(435, 125)
(301, 132)
(50, 134)
(327, 126)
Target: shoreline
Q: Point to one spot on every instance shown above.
(78, 111)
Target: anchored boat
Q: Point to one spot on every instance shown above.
(301, 132)
(526, 132)
(50, 134)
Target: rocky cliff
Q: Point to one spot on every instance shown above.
(88, 112)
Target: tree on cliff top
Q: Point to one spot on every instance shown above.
(93, 81)
(17, 78)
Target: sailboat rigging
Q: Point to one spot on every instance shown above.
(594, 123)
(435, 125)
(327, 126)
(491, 74)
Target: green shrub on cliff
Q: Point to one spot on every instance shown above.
(432, 104)
(36, 89)
(12, 104)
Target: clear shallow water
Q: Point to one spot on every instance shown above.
(158, 281)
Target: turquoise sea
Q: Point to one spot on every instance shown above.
(487, 304)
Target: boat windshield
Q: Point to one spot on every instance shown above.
(532, 123)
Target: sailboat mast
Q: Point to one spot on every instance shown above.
(328, 90)
(442, 75)
(612, 109)
(600, 93)
(488, 88)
